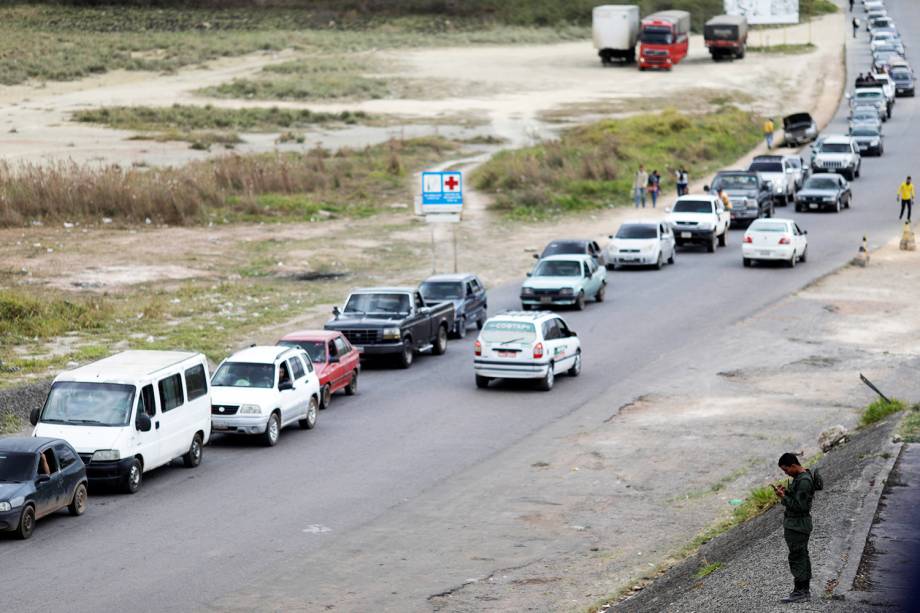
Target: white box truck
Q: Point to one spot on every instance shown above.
(616, 31)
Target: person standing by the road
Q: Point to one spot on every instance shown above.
(683, 181)
(855, 26)
(906, 195)
(797, 524)
(851, 6)
(768, 129)
(654, 187)
(640, 184)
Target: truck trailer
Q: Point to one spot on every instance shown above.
(616, 30)
(664, 39)
(726, 36)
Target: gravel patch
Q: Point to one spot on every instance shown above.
(19, 402)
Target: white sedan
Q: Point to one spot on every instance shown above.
(774, 239)
(641, 243)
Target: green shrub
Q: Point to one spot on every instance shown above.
(879, 410)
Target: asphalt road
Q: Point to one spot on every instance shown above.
(249, 514)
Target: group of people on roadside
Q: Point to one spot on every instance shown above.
(650, 184)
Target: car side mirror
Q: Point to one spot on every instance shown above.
(667, 209)
(804, 231)
(42, 479)
(536, 256)
(142, 423)
(425, 310)
(530, 274)
(610, 236)
(572, 333)
(285, 385)
(333, 359)
(33, 416)
(848, 95)
(336, 311)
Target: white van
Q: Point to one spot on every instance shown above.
(130, 413)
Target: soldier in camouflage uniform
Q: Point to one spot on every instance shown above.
(797, 525)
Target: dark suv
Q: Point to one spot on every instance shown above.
(467, 294)
(751, 197)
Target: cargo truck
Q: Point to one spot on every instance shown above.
(726, 36)
(664, 39)
(616, 30)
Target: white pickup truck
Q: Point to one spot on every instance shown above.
(700, 219)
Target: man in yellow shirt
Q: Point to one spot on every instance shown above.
(906, 194)
(768, 129)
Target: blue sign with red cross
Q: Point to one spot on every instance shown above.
(442, 189)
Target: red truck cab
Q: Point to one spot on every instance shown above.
(337, 363)
(664, 39)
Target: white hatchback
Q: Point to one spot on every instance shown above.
(526, 345)
(641, 243)
(260, 390)
(774, 239)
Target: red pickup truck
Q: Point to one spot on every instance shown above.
(337, 363)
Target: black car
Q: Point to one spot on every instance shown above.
(465, 291)
(751, 197)
(574, 247)
(869, 139)
(824, 191)
(38, 476)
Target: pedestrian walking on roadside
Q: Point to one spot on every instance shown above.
(640, 184)
(683, 181)
(654, 187)
(851, 6)
(768, 129)
(797, 526)
(906, 195)
(855, 26)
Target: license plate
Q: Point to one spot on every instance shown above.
(217, 427)
(686, 234)
(812, 206)
(507, 354)
(546, 300)
(764, 252)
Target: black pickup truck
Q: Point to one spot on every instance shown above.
(393, 321)
(750, 195)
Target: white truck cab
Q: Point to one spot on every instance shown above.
(130, 413)
(699, 219)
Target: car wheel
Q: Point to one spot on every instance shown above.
(673, 253)
(723, 237)
(798, 208)
(849, 201)
(325, 397)
(792, 261)
(352, 388)
(711, 246)
(837, 206)
(660, 263)
(856, 172)
(132, 480)
(407, 354)
(26, 523)
(601, 293)
(580, 301)
(481, 321)
(440, 343)
(272, 431)
(309, 422)
(192, 457)
(804, 257)
(576, 367)
(746, 262)
(461, 327)
(77, 505)
(546, 383)
(482, 382)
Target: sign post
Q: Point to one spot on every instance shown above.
(442, 202)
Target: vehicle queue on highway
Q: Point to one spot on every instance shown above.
(117, 418)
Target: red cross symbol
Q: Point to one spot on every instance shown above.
(451, 183)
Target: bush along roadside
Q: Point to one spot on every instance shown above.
(592, 166)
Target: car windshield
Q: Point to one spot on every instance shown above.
(821, 183)
(766, 167)
(735, 182)
(865, 117)
(509, 332)
(900, 74)
(432, 291)
(693, 206)
(653, 35)
(870, 95)
(637, 230)
(558, 268)
(315, 349)
(768, 226)
(386, 304)
(864, 132)
(244, 374)
(16, 467)
(563, 248)
(835, 148)
(94, 404)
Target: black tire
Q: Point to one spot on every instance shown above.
(352, 388)
(711, 245)
(848, 175)
(132, 480)
(660, 263)
(482, 382)
(798, 209)
(272, 431)
(671, 258)
(461, 327)
(325, 397)
(546, 383)
(575, 370)
(849, 201)
(440, 342)
(580, 302)
(192, 457)
(837, 205)
(26, 523)
(407, 356)
(857, 171)
(746, 262)
(309, 422)
(723, 237)
(480, 322)
(804, 257)
(792, 261)
(77, 504)
(601, 293)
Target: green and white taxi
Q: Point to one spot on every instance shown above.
(564, 280)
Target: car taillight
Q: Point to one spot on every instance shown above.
(477, 348)
(538, 351)
(785, 241)
(748, 239)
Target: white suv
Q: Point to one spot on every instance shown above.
(260, 390)
(700, 219)
(526, 345)
(838, 154)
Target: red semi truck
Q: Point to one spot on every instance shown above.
(664, 39)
